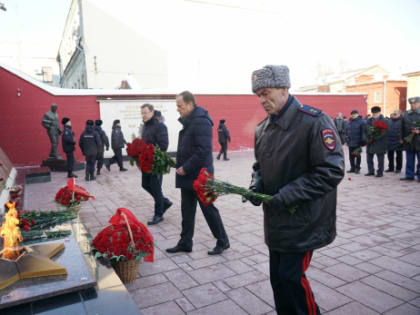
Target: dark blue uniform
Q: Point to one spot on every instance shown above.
(104, 142)
(89, 142)
(117, 143)
(68, 148)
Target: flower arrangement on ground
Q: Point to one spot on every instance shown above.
(376, 130)
(72, 195)
(149, 158)
(127, 241)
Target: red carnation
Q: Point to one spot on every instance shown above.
(26, 227)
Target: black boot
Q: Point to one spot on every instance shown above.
(218, 157)
(87, 178)
(92, 176)
(98, 172)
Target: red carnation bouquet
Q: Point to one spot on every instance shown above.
(124, 240)
(375, 131)
(149, 158)
(72, 194)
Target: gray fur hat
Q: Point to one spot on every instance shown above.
(413, 100)
(270, 76)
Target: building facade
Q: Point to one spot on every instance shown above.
(413, 84)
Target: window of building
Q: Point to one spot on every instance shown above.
(377, 97)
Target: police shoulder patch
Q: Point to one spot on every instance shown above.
(315, 112)
(329, 139)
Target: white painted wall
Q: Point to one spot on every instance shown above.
(128, 112)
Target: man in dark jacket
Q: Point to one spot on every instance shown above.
(410, 128)
(68, 146)
(89, 142)
(117, 143)
(154, 131)
(394, 145)
(356, 139)
(194, 153)
(224, 138)
(101, 149)
(376, 145)
(299, 160)
(340, 124)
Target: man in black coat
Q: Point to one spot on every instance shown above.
(194, 153)
(340, 124)
(376, 145)
(89, 142)
(68, 146)
(300, 162)
(224, 138)
(117, 143)
(394, 145)
(154, 131)
(356, 139)
(101, 149)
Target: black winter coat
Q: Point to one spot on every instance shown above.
(195, 143)
(380, 145)
(154, 131)
(300, 160)
(223, 133)
(340, 124)
(103, 138)
(89, 141)
(355, 132)
(68, 140)
(394, 134)
(117, 138)
(407, 124)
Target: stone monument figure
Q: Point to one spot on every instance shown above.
(51, 124)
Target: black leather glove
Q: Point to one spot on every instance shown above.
(275, 202)
(255, 186)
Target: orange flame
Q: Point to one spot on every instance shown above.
(10, 232)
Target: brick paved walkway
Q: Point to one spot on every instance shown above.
(373, 266)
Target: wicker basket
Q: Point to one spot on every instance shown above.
(127, 270)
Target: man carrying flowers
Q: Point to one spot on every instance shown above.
(299, 161)
(377, 136)
(154, 131)
(194, 153)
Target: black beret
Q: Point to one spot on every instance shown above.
(89, 122)
(65, 120)
(375, 109)
(98, 122)
(354, 112)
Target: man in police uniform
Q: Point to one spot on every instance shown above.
(409, 126)
(299, 161)
(68, 146)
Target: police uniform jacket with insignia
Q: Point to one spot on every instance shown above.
(380, 144)
(68, 140)
(407, 124)
(103, 138)
(89, 141)
(300, 160)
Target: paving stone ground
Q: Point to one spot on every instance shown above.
(373, 266)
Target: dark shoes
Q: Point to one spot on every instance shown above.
(156, 219)
(122, 169)
(406, 178)
(226, 159)
(379, 175)
(167, 205)
(98, 172)
(218, 250)
(397, 171)
(389, 170)
(351, 171)
(369, 174)
(72, 175)
(357, 171)
(178, 249)
(218, 157)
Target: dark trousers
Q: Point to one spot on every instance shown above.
(153, 185)
(292, 292)
(100, 161)
(223, 150)
(410, 164)
(380, 157)
(398, 154)
(211, 214)
(70, 162)
(117, 158)
(90, 164)
(354, 160)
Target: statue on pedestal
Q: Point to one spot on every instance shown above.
(51, 124)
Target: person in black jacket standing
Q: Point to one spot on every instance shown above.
(224, 138)
(394, 145)
(155, 132)
(340, 124)
(117, 143)
(356, 139)
(68, 146)
(194, 153)
(101, 149)
(300, 162)
(89, 142)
